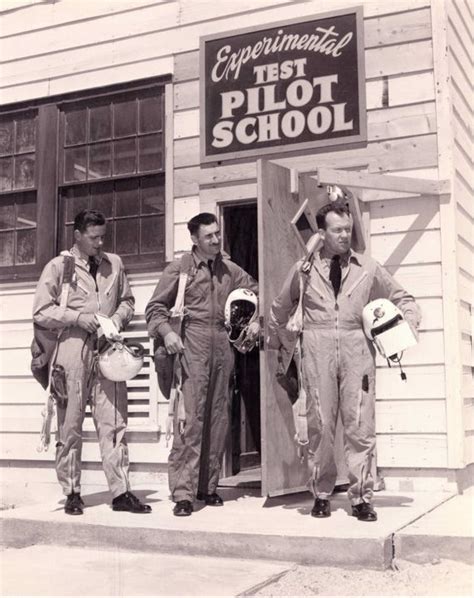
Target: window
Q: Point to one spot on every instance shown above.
(103, 151)
(112, 160)
(18, 221)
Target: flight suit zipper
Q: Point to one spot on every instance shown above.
(336, 325)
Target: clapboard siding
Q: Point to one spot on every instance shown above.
(411, 450)
(423, 382)
(380, 61)
(459, 39)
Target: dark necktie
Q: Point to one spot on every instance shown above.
(93, 267)
(335, 274)
(210, 264)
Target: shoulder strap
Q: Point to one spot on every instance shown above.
(295, 323)
(185, 269)
(66, 279)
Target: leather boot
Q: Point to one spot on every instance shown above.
(129, 502)
(183, 508)
(74, 504)
(321, 508)
(212, 500)
(364, 512)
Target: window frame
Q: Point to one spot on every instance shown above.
(48, 184)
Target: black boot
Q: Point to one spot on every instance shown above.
(212, 500)
(183, 508)
(321, 508)
(129, 502)
(74, 504)
(364, 512)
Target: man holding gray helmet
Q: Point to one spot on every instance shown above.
(97, 284)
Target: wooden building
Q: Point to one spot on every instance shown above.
(100, 106)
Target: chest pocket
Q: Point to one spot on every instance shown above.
(81, 287)
(110, 284)
(357, 283)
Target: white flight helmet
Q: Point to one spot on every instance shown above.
(385, 325)
(120, 362)
(241, 309)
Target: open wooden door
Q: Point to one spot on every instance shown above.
(278, 249)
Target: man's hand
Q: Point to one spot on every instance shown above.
(173, 343)
(88, 322)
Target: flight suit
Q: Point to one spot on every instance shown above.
(207, 364)
(112, 297)
(338, 364)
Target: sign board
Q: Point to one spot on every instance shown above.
(282, 87)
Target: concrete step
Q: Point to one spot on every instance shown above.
(443, 533)
(247, 526)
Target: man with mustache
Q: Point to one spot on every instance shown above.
(338, 361)
(206, 359)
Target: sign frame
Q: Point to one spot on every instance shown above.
(343, 142)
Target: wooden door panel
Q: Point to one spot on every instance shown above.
(278, 249)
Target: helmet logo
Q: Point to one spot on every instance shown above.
(378, 313)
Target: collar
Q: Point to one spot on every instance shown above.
(350, 256)
(198, 259)
(82, 257)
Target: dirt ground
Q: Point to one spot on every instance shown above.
(438, 578)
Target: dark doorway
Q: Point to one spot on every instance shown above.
(241, 243)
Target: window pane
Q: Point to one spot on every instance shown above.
(126, 237)
(109, 238)
(152, 238)
(150, 115)
(75, 164)
(7, 214)
(25, 246)
(126, 198)
(6, 174)
(125, 160)
(77, 200)
(65, 237)
(76, 127)
(6, 249)
(6, 137)
(100, 123)
(149, 153)
(25, 171)
(102, 199)
(25, 135)
(26, 211)
(100, 161)
(153, 196)
(125, 118)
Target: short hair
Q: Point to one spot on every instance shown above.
(338, 207)
(87, 218)
(204, 218)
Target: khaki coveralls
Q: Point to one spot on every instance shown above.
(75, 353)
(338, 364)
(207, 364)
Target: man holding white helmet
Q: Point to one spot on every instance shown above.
(206, 360)
(338, 360)
(98, 285)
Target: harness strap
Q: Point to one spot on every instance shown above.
(176, 401)
(300, 407)
(68, 273)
